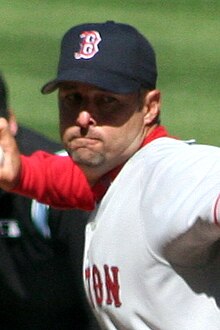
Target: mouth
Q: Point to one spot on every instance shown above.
(82, 142)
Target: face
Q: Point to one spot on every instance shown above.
(100, 129)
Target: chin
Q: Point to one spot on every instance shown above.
(87, 158)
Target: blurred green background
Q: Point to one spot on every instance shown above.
(185, 35)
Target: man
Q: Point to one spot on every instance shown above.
(40, 258)
(151, 250)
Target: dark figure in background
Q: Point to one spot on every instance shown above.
(40, 262)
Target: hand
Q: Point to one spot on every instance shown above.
(11, 166)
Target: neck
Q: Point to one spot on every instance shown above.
(94, 175)
(101, 183)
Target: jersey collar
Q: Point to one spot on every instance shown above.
(101, 187)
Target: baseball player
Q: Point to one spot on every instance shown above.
(152, 240)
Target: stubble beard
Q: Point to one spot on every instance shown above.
(87, 158)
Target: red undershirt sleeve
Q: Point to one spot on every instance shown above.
(54, 180)
(57, 181)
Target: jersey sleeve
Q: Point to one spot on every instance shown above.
(182, 198)
(54, 180)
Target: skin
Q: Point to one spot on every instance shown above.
(100, 129)
(11, 167)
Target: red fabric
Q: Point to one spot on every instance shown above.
(158, 132)
(54, 180)
(59, 182)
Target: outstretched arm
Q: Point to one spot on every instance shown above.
(54, 180)
(51, 179)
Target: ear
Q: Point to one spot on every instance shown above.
(151, 104)
(12, 122)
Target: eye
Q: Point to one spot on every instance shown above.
(107, 103)
(74, 98)
(108, 99)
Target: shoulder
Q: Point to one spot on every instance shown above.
(177, 151)
(166, 144)
(167, 159)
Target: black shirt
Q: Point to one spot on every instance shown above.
(41, 278)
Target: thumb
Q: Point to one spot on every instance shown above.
(11, 164)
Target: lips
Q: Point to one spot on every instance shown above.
(82, 142)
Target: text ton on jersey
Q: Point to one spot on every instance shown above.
(103, 285)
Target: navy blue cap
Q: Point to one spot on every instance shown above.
(112, 56)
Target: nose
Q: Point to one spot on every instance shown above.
(85, 119)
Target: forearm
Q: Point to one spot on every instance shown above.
(54, 180)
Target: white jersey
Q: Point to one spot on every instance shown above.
(152, 244)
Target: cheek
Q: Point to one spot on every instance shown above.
(66, 120)
(67, 115)
(61, 126)
(116, 140)
(134, 126)
(128, 136)
(65, 136)
(64, 127)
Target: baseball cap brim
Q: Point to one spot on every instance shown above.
(105, 80)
